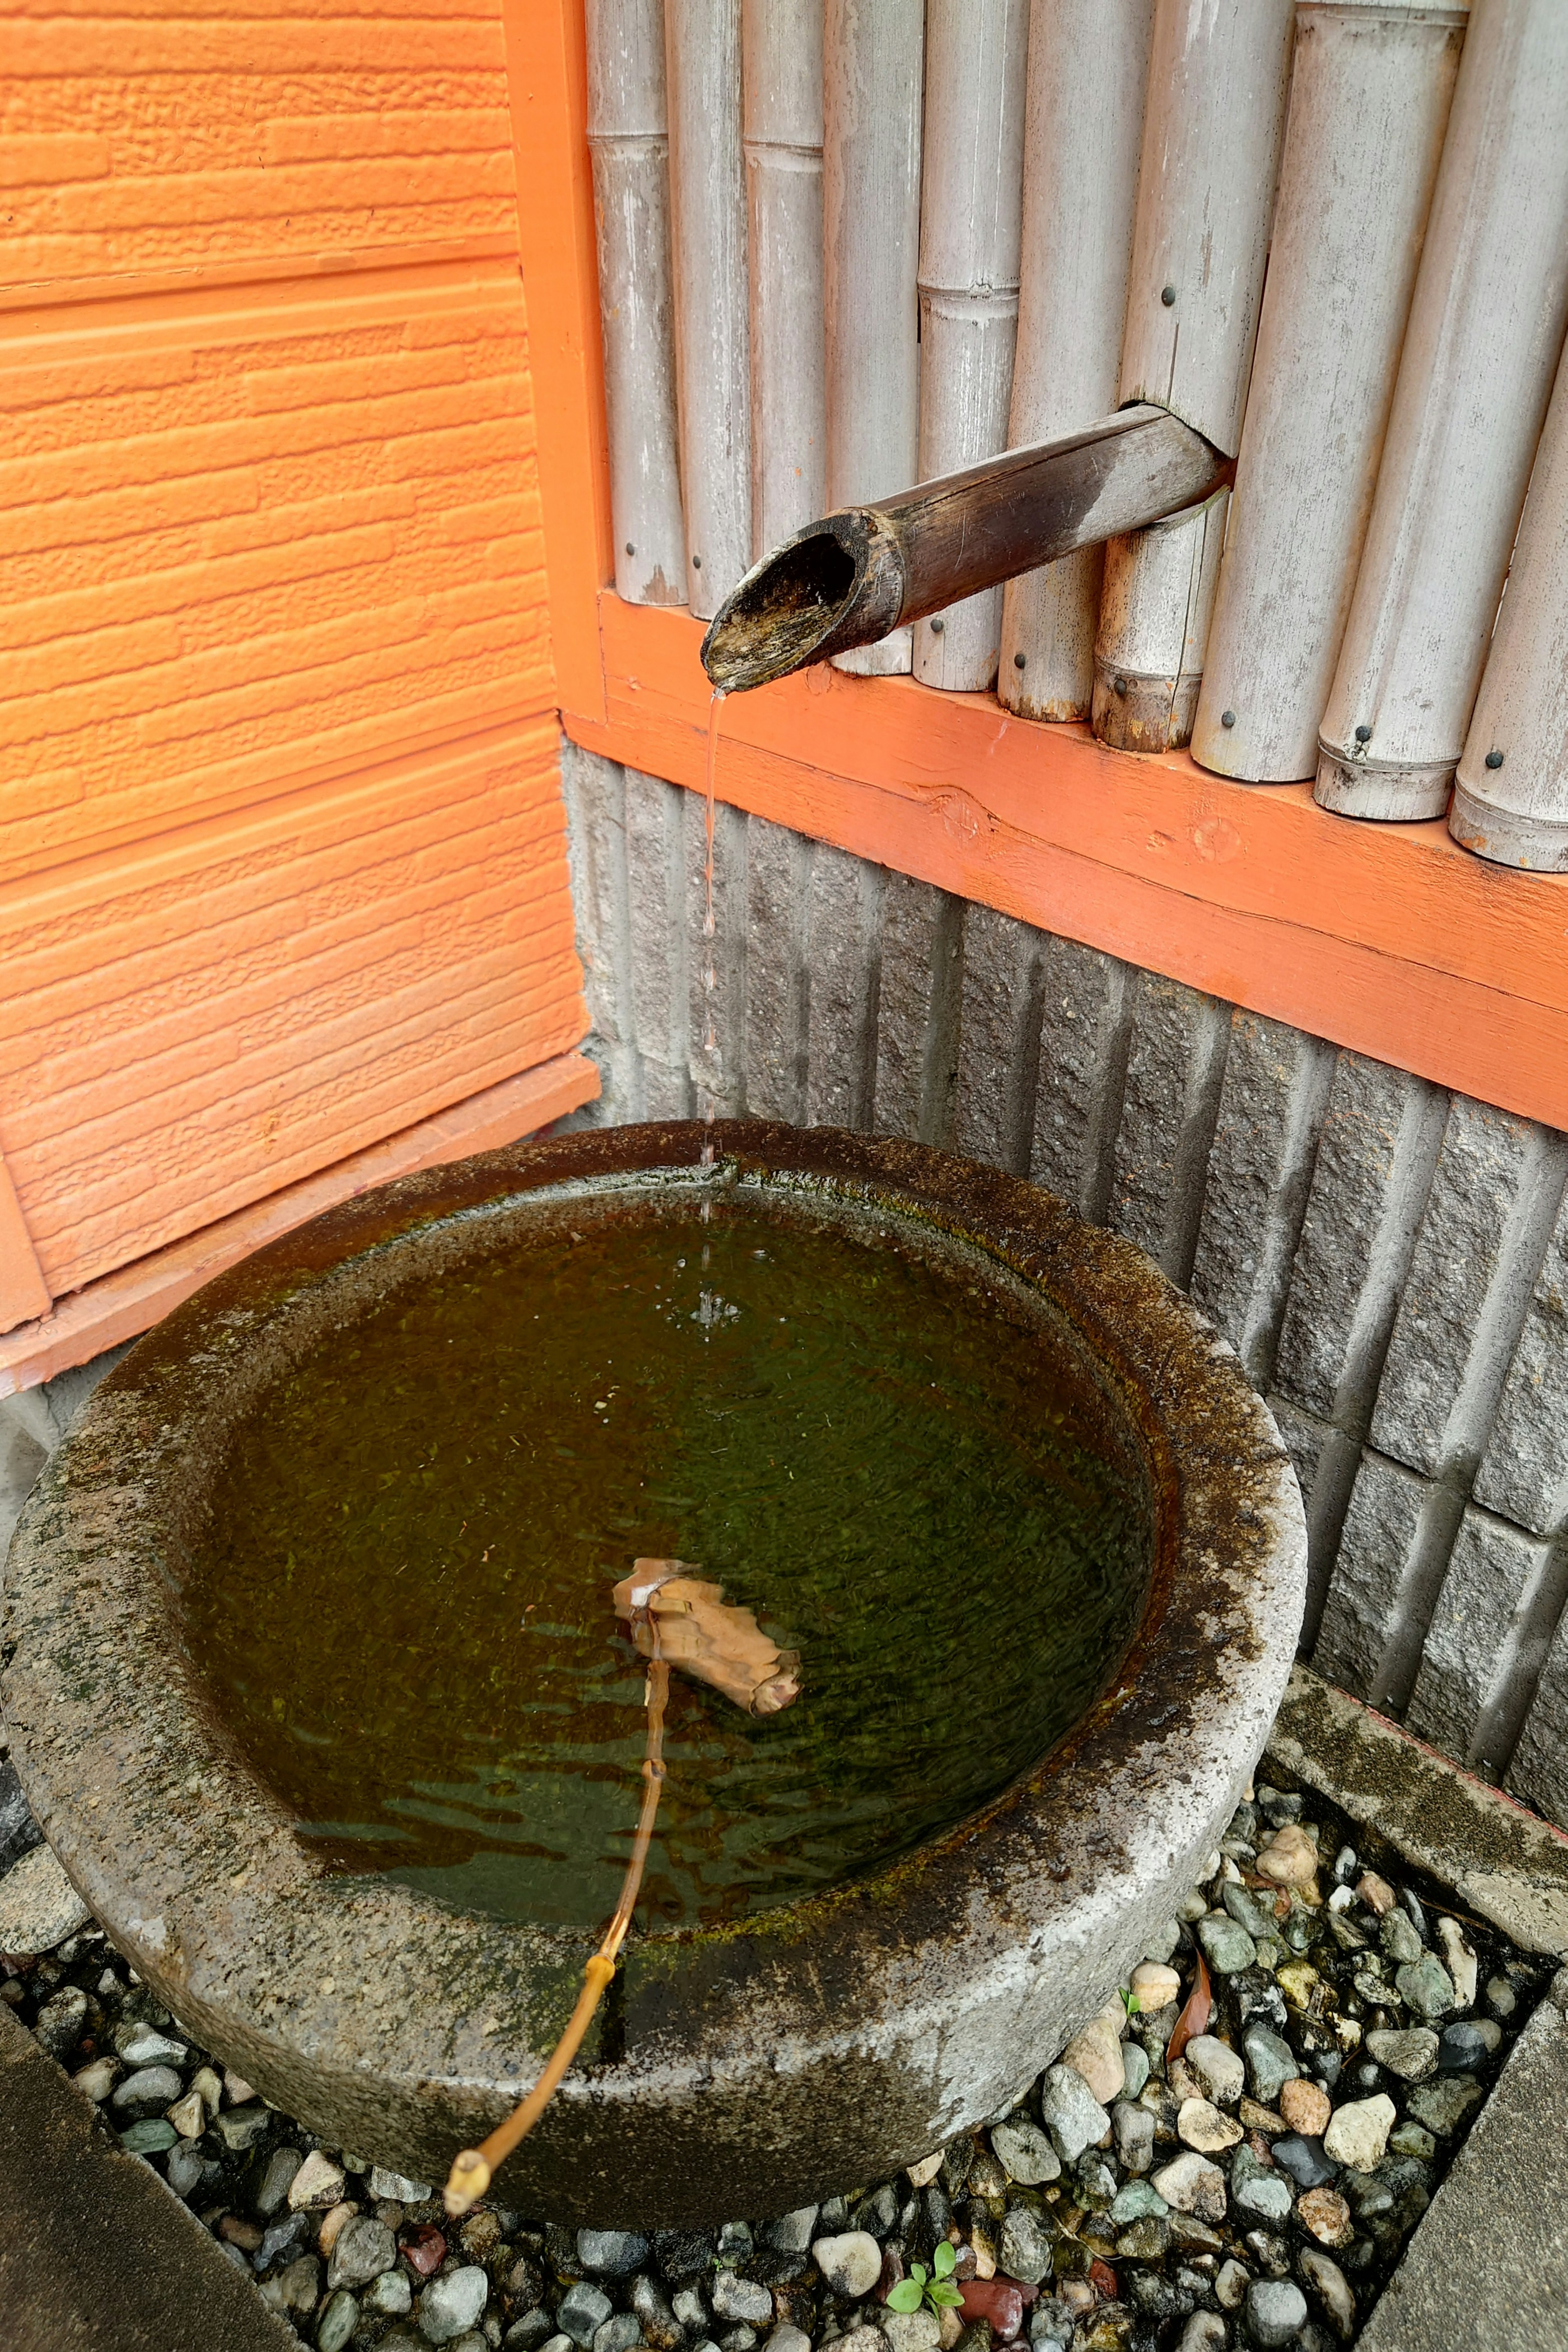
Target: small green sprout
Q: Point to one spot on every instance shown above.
(1131, 2002)
(921, 2286)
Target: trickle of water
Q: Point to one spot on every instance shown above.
(712, 1058)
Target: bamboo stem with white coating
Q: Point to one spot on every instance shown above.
(1218, 77)
(708, 240)
(1087, 68)
(1474, 377)
(872, 88)
(971, 207)
(1371, 88)
(1511, 800)
(629, 147)
(781, 45)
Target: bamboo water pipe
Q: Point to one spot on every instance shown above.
(1486, 326)
(1218, 75)
(1087, 68)
(971, 207)
(781, 59)
(873, 67)
(1371, 88)
(629, 143)
(708, 219)
(849, 579)
(1510, 799)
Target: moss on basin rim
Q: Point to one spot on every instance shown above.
(753, 2065)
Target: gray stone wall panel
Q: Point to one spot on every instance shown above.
(998, 1040)
(917, 1010)
(777, 868)
(1175, 1068)
(843, 964)
(1381, 1534)
(1081, 1074)
(1524, 1470)
(661, 941)
(1491, 1571)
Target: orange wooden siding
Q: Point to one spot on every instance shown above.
(283, 859)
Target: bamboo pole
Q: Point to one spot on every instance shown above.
(781, 49)
(970, 209)
(1371, 89)
(1218, 75)
(851, 578)
(1486, 326)
(1147, 664)
(629, 147)
(1088, 67)
(708, 240)
(1510, 800)
(872, 70)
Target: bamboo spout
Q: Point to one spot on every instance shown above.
(848, 579)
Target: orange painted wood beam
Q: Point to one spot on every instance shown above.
(121, 1304)
(1387, 939)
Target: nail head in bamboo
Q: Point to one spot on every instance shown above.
(1088, 68)
(872, 85)
(781, 47)
(629, 147)
(1511, 800)
(971, 210)
(1218, 76)
(708, 243)
(1371, 89)
(1154, 612)
(1486, 326)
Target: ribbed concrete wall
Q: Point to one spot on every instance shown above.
(1391, 1260)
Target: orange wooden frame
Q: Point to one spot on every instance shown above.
(1390, 940)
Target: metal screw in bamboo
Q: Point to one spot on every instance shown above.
(872, 82)
(1511, 800)
(971, 207)
(1087, 68)
(1369, 93)
(1218, 75)
(1486, 325)
(630, 149)
(708, 241)
(780, 50)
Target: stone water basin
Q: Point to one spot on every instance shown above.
(313, 1682)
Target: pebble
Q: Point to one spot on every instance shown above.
(362, 2250)
(582, 2312)
(786, 2338)
(1266, 2198)
(297, 2287)
(1413, 2139)
(205, 2083)
(1204, 2332)
(691, 2310)
(1426, 1986)
(922, 2175)
(424, 2249)
(1231, 2282)
(1155, 1984)
(1193, 2185)
(1134, 2129)
(1200, 2124)
(623, 2330)
(189, 2116)
(40, 1908)
(1305, 2106)
(1226, 1947)
(1270, 2061)
(1026, 2154)
(1399, 1938)
(1376, 1893)
(1290, 1857)
(791, 2234)
(1135, 2065)
(1217, 2068)
(240, 2127)
(852, 2263)
(736, 2298)
(96, 2082)
(1443, 2103)
(1466, 2045)
(390, 2295)
(1275, 2309)
(1071, 2113)
(1325, 2213)
(1358, 2132)
(337, 2322)
(185, 2168)
(1331, 2287)
(1138, 2200)
(238, 2089)
(1411, 2053)
(333, 2224)
(1303, 2160)
(142, 2046)
(61, 2021)
(1025, 2249)
(610, 2253)
(912, 2331)
(319, 2181)
(150, 2086)
(282, 2168)
(1501, 1998)
(151, 2137)
(1096, 2055)
(396, 2188)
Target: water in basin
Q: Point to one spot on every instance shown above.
(402, 1606)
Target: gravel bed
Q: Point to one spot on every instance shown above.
(1257, 2189)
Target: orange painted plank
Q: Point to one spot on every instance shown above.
(23, 1290)
(1389, 939)
(120, 1304)
(547, 76)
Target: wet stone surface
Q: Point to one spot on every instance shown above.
(1257, 2189)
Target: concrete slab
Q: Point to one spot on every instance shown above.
(97, 2254)
(1487, 2269)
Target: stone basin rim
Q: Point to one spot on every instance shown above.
(914, 2001)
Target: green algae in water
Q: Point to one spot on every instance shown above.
(406, 1616)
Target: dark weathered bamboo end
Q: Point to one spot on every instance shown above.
(848, 579)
